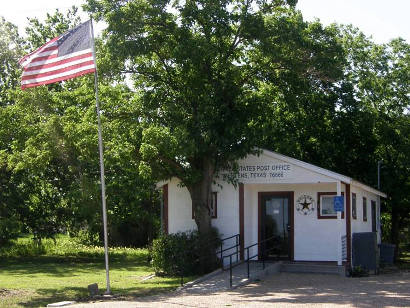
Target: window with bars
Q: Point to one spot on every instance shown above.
(354, 206)
(364, 209)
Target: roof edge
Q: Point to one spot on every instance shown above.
(310, 167)
(369, 189)
(323, 171)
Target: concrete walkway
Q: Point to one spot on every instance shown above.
(287, 290)
(220, 280)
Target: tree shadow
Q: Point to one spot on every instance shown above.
(46, 296)
(288, 288)
(65, 266)
(296, 289)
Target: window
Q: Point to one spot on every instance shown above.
(364, 209)
(213, 211)
(354, 208)
(373, 214)
(325, 208)
(214, 205)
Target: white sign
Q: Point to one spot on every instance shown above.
(266, 171)
(261, 172)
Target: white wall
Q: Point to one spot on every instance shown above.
(314, 239)
(180, 211)
(179, 208)
(227, 221)
(358, 225)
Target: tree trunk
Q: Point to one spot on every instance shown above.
(201, 194)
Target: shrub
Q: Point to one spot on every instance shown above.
(88, 238)
(186, 253)
(66, 246)
(9, 229)
(359, 271)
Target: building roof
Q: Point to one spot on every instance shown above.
(330, 174)
(319, 170)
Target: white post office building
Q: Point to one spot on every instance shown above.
(286, 199)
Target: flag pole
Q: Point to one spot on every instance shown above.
(100, 147)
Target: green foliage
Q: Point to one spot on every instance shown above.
(10, 228)
(209, 76)
(11, 49)
(49, 167)
(385, 219)
(63, 269)
(359, 271)
(404, 260)
(185, 253)
(212, 80)
(61, 246)
(352, 123)
(378, 79)
(39, 33)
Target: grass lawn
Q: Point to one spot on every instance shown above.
(61, 273)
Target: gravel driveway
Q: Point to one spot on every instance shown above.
(289, 290)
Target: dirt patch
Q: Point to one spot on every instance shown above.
(5, 293)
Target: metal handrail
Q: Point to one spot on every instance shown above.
(237, 245)
(248, 258)
(228, 238)
(230, 256)
(231, 266)
(237, 236)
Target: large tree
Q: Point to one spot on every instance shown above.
(49, 168)
(356, 122)
(209, 73)
(11, 49)
(372, 120)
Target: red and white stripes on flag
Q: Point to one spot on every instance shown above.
(67, 56)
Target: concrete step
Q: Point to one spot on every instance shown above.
(312, 268)
(220, 280)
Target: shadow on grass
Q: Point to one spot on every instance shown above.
(47, 296)
(80, 294)
(65, 266)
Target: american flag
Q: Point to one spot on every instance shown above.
(67, 56)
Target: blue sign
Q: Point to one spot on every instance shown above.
(338, 203)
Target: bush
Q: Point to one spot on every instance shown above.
(186, 253)
(87, 238)
(66, 246)
(359, 271)
(9, 229)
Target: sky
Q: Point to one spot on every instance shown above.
(383, 20)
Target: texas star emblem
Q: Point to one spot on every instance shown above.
(305, 204)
